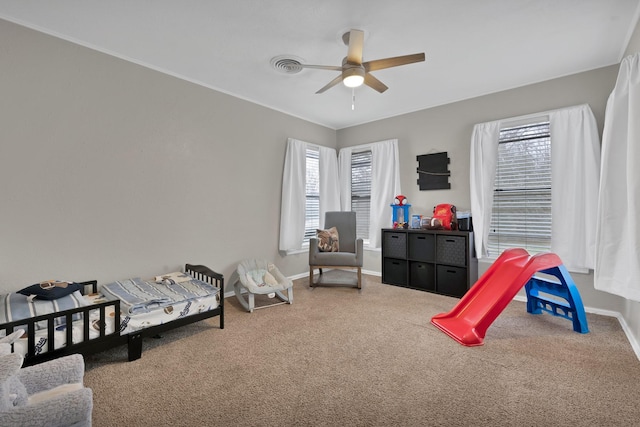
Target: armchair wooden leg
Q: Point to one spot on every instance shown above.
(311, 284)
(359, 278)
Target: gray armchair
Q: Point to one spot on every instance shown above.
(48, 394)
(350, 253)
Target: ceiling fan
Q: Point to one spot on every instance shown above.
(354, 72)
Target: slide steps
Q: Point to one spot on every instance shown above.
(540, 292)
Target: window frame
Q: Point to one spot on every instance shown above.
(538, 239)
(362, 191)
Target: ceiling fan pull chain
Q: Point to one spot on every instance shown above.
(353, 99)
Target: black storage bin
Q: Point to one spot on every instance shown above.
(394, 271)
(395, 244)
(422, 275)
(451, 281)
(422, 247)
(465, 224)
(451, 250)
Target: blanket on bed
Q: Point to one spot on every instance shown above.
(140, 296)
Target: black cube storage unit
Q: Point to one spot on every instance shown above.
(437, 261)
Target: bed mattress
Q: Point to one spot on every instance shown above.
(158, 316)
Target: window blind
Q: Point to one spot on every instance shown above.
(312, 195)
(361, 191)
(521, 215)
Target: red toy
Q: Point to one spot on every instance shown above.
(400, 200)
(446, 214)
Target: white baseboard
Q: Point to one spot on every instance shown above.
(298, 276)
(623, 323)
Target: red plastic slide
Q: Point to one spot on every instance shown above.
(469, 320)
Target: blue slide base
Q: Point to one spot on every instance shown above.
(557, 298)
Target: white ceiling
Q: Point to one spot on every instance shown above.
(472, 47)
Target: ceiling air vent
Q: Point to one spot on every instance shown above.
(287, 64)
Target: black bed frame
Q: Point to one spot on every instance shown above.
(106, 341)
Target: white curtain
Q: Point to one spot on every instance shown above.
(484, 156)
(292, 210)
(617, 262)
(329, 184)
(575, 172)
(385, 185)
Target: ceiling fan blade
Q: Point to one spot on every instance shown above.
(374, 83)
(322, 67)
(380, 64)
(331, 84)
(356, 44)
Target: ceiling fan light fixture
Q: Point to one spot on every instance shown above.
(354, 71)
(353, 77)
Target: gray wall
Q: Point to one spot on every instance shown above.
(111, 170)
(634, 41)
(448, 128)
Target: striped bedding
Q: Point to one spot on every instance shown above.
(14, 307)
(138, 296)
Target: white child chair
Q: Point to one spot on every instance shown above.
(260, 277)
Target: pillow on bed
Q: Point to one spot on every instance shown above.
(173, 278)
(51, 289)
(328, 240)
(15, 306)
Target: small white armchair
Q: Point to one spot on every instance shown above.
(261, 277)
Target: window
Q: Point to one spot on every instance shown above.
(312, 195)
(361, 191)
(521, 215)
(311, 185)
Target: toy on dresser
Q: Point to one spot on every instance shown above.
(400, 208)
(444, 218)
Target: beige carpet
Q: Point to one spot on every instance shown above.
(339, 356)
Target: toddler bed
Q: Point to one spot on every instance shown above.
(122, 312)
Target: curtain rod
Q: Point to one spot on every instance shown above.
(363, 147)
(534, 115)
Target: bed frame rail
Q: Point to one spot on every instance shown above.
(86, 345)
(205, 274)
(199, 272)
